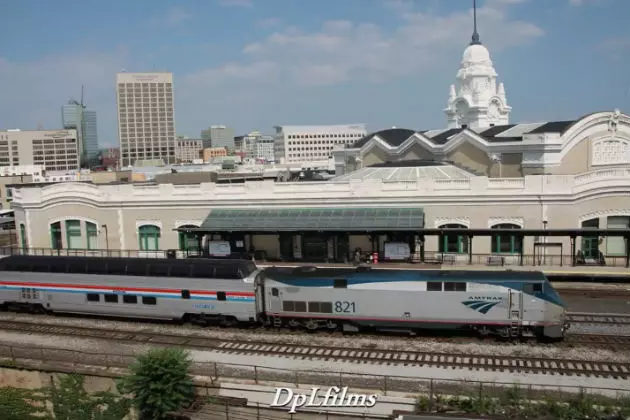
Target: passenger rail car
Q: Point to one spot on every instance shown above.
(201, 291)
(509, 304)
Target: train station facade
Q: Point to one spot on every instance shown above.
(364, 208)
(480, 172)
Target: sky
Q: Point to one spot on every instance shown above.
(255, 64)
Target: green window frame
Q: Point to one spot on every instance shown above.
(188, 240)
(55, 236)
(91, 233)
(506, 244)
(149, 238)
(73, 234)
(453, 244)
(23, 241)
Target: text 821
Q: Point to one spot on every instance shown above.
(345, 307)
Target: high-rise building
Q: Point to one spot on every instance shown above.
(90, 137)
(75, 116)
(218, 136)
(146, 121)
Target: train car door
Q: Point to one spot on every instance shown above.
(275, 300)
(515, 306)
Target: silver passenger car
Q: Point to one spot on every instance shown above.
(199, 290)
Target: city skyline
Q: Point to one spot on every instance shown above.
(383, 63)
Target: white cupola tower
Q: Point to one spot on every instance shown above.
(477, 100)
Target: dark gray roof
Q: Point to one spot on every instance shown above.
(499, 133)
(553, 127)
(392, 136)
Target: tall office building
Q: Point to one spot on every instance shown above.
(218, 136)
(90, 137)
(146, 121)
(75, 116)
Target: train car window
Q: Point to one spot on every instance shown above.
(300, 306)
(538, 287)
(93, 297)
(58, 267)
(288, 306)
(149, 300)
(181, 270)
(434, 286)
(185, 294)
(117, 267)
(274, 291)
(340, 283)
(203, 271)
(97, 267)
(220, 295)
(453, 286)
(136, 269)
(41, 268)
(77, 267)
(227, 272)
(532, 287)
(110, 298)
(158, 269)
(130, 299)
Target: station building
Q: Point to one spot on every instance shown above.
(480, 172)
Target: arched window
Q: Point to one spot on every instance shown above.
(92, 235)
(73, 234)
(55, 235)
(23, 236)
(590, 244)
(188, 240)
(453, 243)
(506, 244)
(149, 237)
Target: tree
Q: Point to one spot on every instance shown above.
(70, 401)
(20, 404)
(160, 383)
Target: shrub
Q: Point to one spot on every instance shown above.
(160, 383)
(20, 404)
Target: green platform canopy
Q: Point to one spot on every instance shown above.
(314, 219)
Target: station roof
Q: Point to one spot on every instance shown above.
(407, 171)
(313, 219)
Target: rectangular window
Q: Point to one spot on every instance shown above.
(434, 286)
(340, 283)
(221, 296)
(130, 299)
(274, 291)
(320, 307)
(110, 298)
(92, 235)
(73, 234)
(185, 294)
(451, 286)
(93, 297)
(149, 300)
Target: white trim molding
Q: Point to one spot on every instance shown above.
(180, 223)
(157, 223)
(81, 218)
(121, 231)
(441, 221)
(603, 213)
(518, 221)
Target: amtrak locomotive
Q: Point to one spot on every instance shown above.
(236, 292)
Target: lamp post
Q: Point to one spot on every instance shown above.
(106, 239)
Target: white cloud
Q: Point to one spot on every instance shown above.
(236, 3)
(343, 50)
(174, 17)
(269, 22)
(39, 88)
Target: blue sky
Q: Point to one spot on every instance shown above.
(253, 64)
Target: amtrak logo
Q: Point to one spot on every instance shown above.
(482, 306)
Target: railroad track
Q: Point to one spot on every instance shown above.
(519, 364)
(592, 318)
(611, 341)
